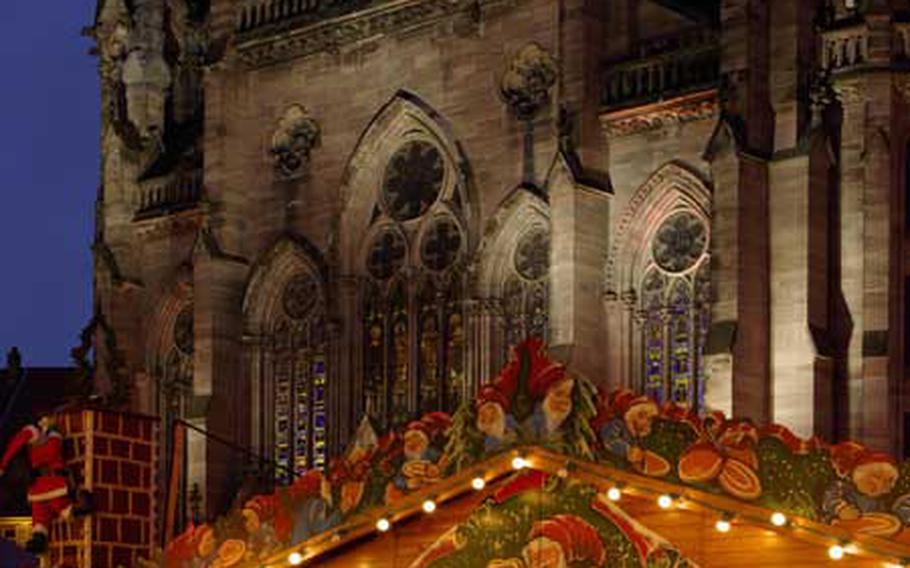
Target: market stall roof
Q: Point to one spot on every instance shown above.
(689, 524)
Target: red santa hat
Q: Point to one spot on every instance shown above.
(579, 541)
(489, 393)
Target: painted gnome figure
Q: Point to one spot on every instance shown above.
(553, 388)
(632, 420)
(49, 493)
(866, 481)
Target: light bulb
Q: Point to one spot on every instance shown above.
(382, 525)
(429, 506)
(836, 552)
(778, 519)
(478, 483)
(665, 501)
(295, 559)
(722, 525)
(519, 463)
(614, 494)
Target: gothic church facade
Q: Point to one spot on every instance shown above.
(316, 210)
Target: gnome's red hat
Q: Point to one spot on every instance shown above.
(436, 422)
(845, 455)
(418, 426)
(624, 401)
(489, 393)
(579, 540)
(875, 461)
(545, 378)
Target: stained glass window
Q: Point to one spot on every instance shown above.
(175, 388)
(526, 294)
(413, 336)
(298, 374)
(675, 311)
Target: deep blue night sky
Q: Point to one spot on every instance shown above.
(49, 160)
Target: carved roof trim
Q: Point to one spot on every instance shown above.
(292, 39)
(687, 108)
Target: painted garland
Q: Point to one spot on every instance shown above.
(536, 402)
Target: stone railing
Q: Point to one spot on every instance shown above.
(175, 194)
(845, 48)
(256, 14)
(662, 68)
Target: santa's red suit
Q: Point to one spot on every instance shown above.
(48, 494)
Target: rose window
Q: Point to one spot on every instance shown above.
(680, 242)
(441, 245)
(532, 255)
(413, 180)
(299, 297)
(386, 255)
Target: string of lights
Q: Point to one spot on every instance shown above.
(616, 487)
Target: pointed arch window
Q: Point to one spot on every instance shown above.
(175, 389)
(413, 337)
(526, 291)
(297, 360)
(675, 310)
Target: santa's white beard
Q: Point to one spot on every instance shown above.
(496, 430)
(554, 420)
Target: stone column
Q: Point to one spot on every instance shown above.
(580, 217)
(346, 384)
(219, 375)
(866, 253)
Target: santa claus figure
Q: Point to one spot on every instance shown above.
(866, 480)
(553, 388)
(632, 418)
(494, 420)
(49, 494)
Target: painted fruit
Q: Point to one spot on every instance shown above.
(231, 552)
(739, 480)
(744, 453)
(654, 465)
(875, 524)
(701, 462)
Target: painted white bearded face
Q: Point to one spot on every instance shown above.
(544, 553)
(491, 420)
(45, 423)
(639, 419)
(415, 444)
(557, 404)
(876, 479)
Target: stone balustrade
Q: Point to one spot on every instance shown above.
(662, 68)
(256, 14)
(845, 48)
(176, 193)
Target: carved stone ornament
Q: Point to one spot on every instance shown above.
(183, 330)
(300, 296)
(297, 134)
(526, 84)
(700, 106)
(680, 242)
